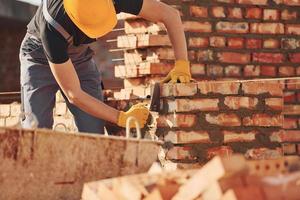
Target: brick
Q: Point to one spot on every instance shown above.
(271, 14)
(232, 27)
(252, 2)
(198, 11)
(235, 13)
(288, 149)
(294, 57)
(298, 70)
(179, 89)
(251, 70)
(253, 13)
(198, 42)
(197, 69)
(264, 153)
(193, 26)
(286, 136)
(263, 120)
(183, 137)
(217, 41)
(232, 57)
(237, 103)
(12, 121)
(2, 122)
(271, 44)
(15, 109)
(286, 71)
(267, 28)
(293, 84)
(266, 70)
(4, 110)
(291, 110)
(204, 55)
(149, 40)
(126, 41)
(289, 43)
(188, 105)
(274, 103)
(233, 70)
(288, 14)
(176, 120)
(293, 29)
(218, 12)
(231, 136)
(179, 153)
(223, 151)
(289, 97)
(290, 123)
(214, 70)
(292, 2)
(218, 87)
(298, 148)
(268, 57)
(223, 119)
(141, 26)
(253, 43)
(235, 43)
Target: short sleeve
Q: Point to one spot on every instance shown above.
(129, 6)
(55, 45)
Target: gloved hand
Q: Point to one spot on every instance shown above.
(139, 111)
(180, 72)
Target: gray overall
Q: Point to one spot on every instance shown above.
(38, 86)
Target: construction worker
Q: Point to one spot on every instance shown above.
(55, 55)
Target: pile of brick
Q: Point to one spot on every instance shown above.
(219, 179)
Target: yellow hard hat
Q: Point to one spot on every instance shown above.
(95, 18)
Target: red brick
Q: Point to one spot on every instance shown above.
(218, 12)
(264, 120)
(290, 123)
(268, 57)
(187, 105)
(291, 109)
(204, 55)
(298, 96)
(271, 14)
(286, 136)
(260, 87)
(232, 70)
(298, 148)
(274, 103)
(298, 70)
(252, 2)
(251, 70)
(289, 97)
(231, 136)
(223, 119)
(179, 89)
(288, 14)
(293, 84)
(223, 151)
(176, 120)
(193, 26)
(198, 69)
(180, 137)
(267, 28)
(214, 70)
(217, 41)
(293, 29)
(218, 87)
(232, 27)
(286, 71)
(294, 57)
(236, 103)
(292, 2)
(253, 13)
(264, 153)
(268, 70)
(253, 43)
(232, 57)
(148, 40)
(235, 43)
(179, 153)
(198, 42)
(271, 44)
(288, 149)
(197, 11)
(235, 13)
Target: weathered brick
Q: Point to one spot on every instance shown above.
(253, 43)
(271, 44)
(218, 87)
(179, 153)
(290, 43)
(264, 153)
(260, 87)
(198, 42)
(198, 11)
(223, 151)
(176, 120)
(288, 14)
(236, 103)
(274, 103)
(214, 70)
(223, 119)
(267, 28)
(218, 12)
(268, 57)
(235, 43)
(285, 136)
(251, 70)
(294, 57)
(187, 137)
(271, 14)
(217, 41)
(4, 110)
(179, 89)
(233, 70)
(286, 71)
(288, 149)
(289, 97)
(232, 57)
(204, 55)
(252, 2)
(266, 70)
(235, 13)
(198, 69)
(194, 26)
(232, 27)
(264, 120)
(187, 105)
(231, 136)
(253, 13)
(293, 29)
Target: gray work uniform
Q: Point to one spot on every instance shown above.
(38, 85)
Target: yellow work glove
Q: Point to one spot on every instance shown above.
(181, 72)
(138, 111)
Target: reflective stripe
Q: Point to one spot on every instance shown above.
(54, 23)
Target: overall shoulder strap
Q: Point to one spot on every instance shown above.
(54, 23)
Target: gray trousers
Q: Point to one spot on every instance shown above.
(38, 86)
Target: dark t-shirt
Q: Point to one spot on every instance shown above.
(55, 45)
